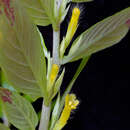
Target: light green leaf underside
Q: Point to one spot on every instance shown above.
(3, 127)
(20, 113)
(102, 35)
(79, 1)
(21, 55)
(48, 5)
(4, 82)
(37, 12)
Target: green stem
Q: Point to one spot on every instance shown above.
(45, 116)
(56, 41)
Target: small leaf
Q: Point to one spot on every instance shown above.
(100, 36)
(43, 45)
(79, 1)
(54, 117)
(21, 54)
(3, 127)
(18, 110)
(36, 12)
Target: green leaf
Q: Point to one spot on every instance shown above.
(100, 36)
(48, 5)
(18, 110)
(5, 83)
(3, 127)
(69, 87)
(36, 12)
(21, 54)
(79, 1)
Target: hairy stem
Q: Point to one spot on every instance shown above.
(56, 41)
(45, 116)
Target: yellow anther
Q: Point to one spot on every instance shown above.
(54, 72)
(70, 103)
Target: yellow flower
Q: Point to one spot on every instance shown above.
(70, 31)
(71, 103)
(72, 25)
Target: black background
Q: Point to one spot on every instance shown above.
(103, 86)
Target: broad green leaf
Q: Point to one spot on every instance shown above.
(18, 110)
(100, 36)
(48, 5)
(21, 54)
(5, 83)
(37, 12)
(3, 127)
(78, 1)
(69, 87)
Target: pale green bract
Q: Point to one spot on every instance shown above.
(3, 127)
(20, 112)
(100, 36)
(21, 54)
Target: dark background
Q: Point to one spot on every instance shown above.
(103, 86)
